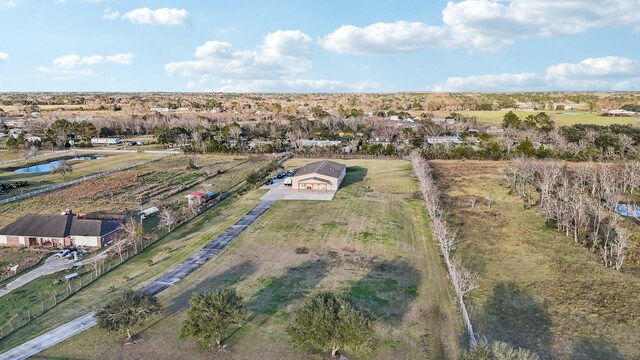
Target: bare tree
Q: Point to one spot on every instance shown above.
(134, 232)
(62, 168)
(167, 218)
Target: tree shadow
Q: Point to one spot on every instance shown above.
(227, 278)
(595, 348)
(355, 174)
(279, 292)
(387, 290)
(514, 316)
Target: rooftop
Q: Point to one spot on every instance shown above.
(325, 167)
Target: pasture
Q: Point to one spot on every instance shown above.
(372, 242)
(538, 289)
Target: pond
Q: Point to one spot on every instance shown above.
(46, 167)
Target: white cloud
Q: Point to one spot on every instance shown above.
(73, 66)
(73, 60)
(605, 73)
(9, 3)
(283, 53)
(492, 82)
(162, 16)
(4, 56)
(596, 67)
(110, 14)
(273, 66)
(382, 38)
(486, 25)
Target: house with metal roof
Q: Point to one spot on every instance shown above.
(60, 231)
(323, 175)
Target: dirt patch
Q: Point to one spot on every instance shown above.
(24, 258)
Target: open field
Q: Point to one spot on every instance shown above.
(165, 254)
(538, 289)
(561, 118)
(372, 241)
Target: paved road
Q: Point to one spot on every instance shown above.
(171, 277)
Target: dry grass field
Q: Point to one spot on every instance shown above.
(372, 241)
(538, 289)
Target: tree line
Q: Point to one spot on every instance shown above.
(579, 200)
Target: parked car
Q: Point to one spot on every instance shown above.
(281, 175)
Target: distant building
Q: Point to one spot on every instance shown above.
(106, 141)
(318, 143)
(622, 112)
(434, 140)
(59, 231)
(160, 109)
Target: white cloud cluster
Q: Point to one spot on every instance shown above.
(486, 25)
(70, 66)
(604, 73)
(110, 14)
(74, 60)
(382, 38)
(4, 56)
(274, 65)
(162, 16)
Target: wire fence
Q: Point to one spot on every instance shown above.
(34, 157)
(77, 181)
(95, 270)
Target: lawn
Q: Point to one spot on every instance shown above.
(561, 118)
(538, 289)
(372, 242)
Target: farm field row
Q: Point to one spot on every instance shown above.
(80, 168)
(122, 191)
(372, 241)
(561, 118)
(538, 289)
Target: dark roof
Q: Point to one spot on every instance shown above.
(325, 167)
(58, 226)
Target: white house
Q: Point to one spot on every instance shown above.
(106, 141)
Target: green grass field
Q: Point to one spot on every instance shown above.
(561, 118)
(538, 289)
(372, 242)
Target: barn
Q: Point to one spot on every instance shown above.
(323, 175)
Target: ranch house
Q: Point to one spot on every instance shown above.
(59, 231)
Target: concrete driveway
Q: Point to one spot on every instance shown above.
(278, 191)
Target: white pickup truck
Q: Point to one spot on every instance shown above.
(287, 181)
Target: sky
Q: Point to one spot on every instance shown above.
(319, 45)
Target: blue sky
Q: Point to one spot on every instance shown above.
(319, 46)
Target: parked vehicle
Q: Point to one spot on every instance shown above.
(287, 181)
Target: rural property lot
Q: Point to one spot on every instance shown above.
(538, 289)
(371, 241)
